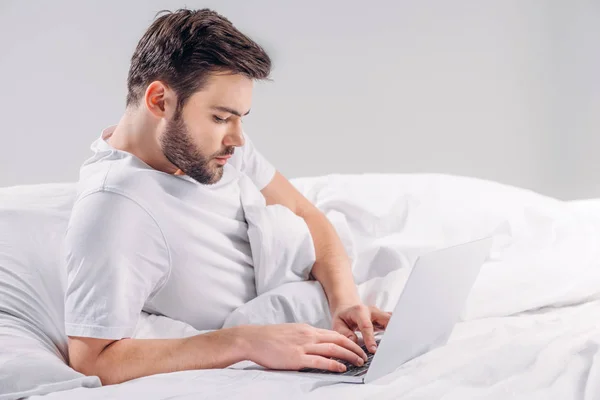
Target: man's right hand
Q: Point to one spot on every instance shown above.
(283, 346)
(297, 346)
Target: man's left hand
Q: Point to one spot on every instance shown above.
(359, 317)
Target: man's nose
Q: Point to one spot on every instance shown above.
(235, 137)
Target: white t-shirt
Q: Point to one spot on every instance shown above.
(141, 239)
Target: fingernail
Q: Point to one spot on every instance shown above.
(360, 362)
(342, 368)
(373, 348)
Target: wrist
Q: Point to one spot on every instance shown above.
(242, 341)
(343, 300)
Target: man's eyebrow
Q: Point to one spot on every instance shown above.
(229, 110)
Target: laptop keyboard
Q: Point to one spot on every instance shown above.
(351, 369)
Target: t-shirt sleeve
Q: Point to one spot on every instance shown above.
(255, 165)
(116, 258)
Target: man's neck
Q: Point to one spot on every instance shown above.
(137, 135)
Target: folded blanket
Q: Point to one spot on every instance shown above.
(281, 244)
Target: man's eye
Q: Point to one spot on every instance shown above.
(219, 120)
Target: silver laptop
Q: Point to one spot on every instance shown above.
(430, 305)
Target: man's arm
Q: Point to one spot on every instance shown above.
(122, 360)
(332, 266)
(283, 346)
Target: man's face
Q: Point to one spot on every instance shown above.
(200, 139)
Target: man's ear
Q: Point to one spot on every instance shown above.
(160, 99)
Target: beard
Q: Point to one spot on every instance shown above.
(179, 149)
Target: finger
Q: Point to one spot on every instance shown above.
(380, 318)
(318, 362)
(341, 340)
(344, 330)
(377, 327)
(366, 328)
(334, 350)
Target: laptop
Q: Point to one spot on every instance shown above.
(428, 308)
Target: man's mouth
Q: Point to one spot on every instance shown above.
(223, 159)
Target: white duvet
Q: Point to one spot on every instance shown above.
(531, 327)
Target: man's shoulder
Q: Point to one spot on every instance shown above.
(114, 196)
(127, 176)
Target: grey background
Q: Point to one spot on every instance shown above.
(506, 90)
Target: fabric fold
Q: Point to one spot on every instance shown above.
(282, 246)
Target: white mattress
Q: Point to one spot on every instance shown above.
(540, 342)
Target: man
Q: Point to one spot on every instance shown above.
(158, 224)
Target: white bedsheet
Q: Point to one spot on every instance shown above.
(531, 328)
(546, 355)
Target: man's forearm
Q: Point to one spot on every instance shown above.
(128, 359)
(332, 267)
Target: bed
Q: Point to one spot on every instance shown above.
(530, 329)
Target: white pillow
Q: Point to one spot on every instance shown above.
(32, 338)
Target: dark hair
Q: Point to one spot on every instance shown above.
(182, 48)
